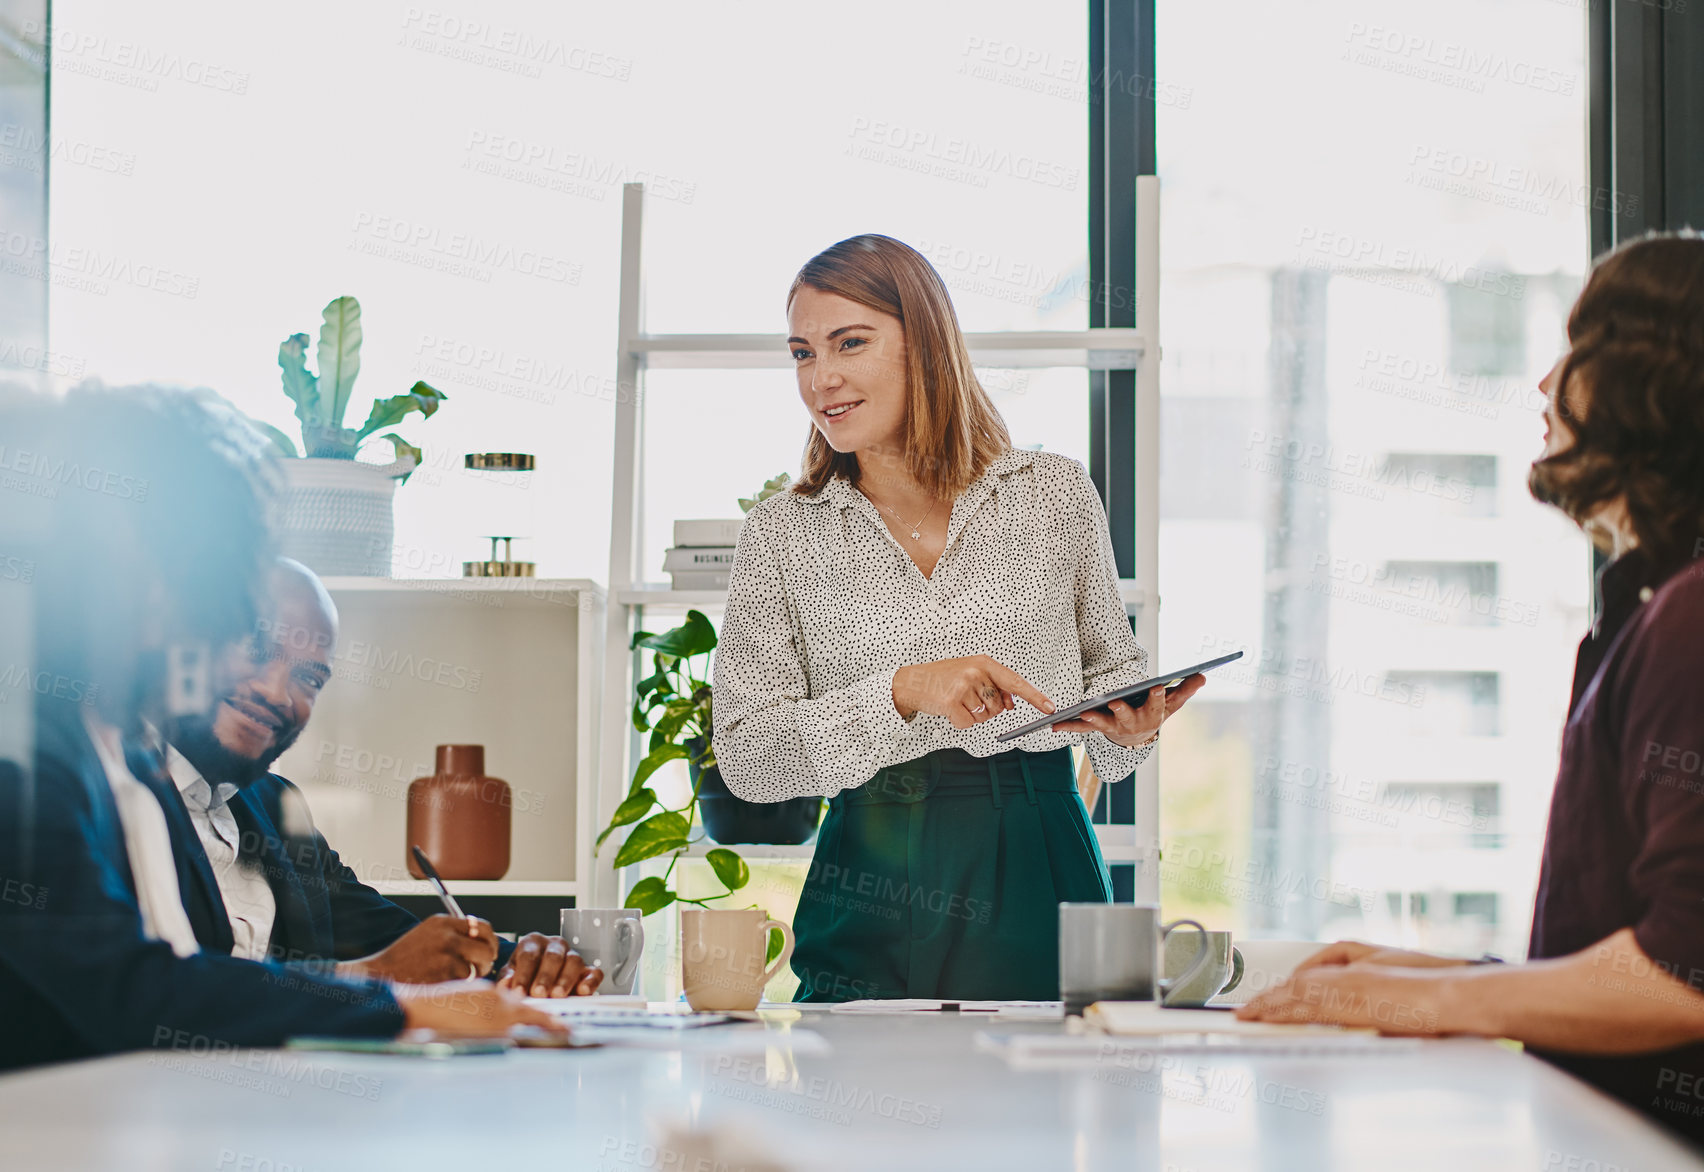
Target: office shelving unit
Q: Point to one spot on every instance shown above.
(631, 597)
(510, 663)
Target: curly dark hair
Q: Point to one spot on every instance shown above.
(1632, 395)
(160, 503)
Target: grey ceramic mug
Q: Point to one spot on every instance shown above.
(1114, 951)
(609, 938)
(1221, 974)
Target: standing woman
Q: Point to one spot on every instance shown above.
(923, 587)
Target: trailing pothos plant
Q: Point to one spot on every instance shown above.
(673, 705)
(322, 399)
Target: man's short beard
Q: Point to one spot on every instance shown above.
(193, 736)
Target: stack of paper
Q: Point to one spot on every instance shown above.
(633, 1012)
(1047, 1051)
(673, 1025)
(1147, 1019)
(889, 1005)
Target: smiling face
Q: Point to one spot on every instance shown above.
(268, 684)
(850, 361)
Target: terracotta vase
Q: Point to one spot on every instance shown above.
(460, 817)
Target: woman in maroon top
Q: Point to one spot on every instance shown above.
(1612, 989)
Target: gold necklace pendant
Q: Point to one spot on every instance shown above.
(917, 529)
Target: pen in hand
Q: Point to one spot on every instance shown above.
(444, 896)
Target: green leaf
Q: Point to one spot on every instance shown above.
(403, 450)
(675, 715)
(770, 487)
(339, 357)
(387, 412)
(655, 760)
(331, 443)
(632, 808)
(643, 708)
(693, 637)
(649, 895)
(274, 437)
(660, 834)
(299, 385)
(776, 943)
(729, 868)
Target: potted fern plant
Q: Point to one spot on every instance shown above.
(337, 515)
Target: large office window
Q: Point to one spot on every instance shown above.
(1372, 227)
(459, 168)
(267, 170)
(1374, 222)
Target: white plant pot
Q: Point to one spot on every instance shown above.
(337, 517)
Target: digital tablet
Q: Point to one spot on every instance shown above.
(1135, 693)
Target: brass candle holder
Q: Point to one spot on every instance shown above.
(505, 566)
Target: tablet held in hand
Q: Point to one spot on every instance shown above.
(1134, 694)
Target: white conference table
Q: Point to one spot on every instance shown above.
(887, 1092)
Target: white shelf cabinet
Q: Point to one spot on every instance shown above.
(512, 664)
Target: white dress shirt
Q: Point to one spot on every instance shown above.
(824, 605)
(249, 902)
(148, 842)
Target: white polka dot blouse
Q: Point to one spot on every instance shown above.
(824, 605)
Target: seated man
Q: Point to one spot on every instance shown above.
(97, 954)
(1611, 990)
(258, 879)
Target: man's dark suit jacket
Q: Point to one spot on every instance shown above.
(77, 975)
(324, 911)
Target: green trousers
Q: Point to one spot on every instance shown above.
(942, 878)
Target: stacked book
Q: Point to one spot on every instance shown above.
(702, 554)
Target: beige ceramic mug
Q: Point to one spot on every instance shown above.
(722, 955)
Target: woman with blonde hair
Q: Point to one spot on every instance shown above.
(923, 587)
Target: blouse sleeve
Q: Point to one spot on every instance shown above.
(773, 740)
(1111, 655)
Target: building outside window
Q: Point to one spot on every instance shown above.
(1362, 285)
